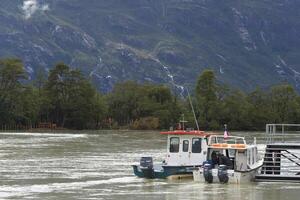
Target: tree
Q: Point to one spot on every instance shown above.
(100, 110)
(30, 106)
(235, 111)
(123, 102)
(12, 74)
(40, 80)
(284, 103)
(207, 100)
(72, 98)
(167, 108)
(260, 110)
(57, 91)
(131, 103)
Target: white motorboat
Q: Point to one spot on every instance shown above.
(229, 160)
(186, 149)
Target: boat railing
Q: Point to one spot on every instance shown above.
(282, 132)
(281, 162)
(282, 154)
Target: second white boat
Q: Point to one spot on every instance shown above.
(229, 160)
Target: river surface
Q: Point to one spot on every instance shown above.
(97, 165)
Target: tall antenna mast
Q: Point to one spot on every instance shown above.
(193, 109)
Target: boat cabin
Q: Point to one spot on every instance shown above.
(186, 148)
(233, 152)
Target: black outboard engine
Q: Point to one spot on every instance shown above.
(207, 173)
(146, 166)
(222, 174)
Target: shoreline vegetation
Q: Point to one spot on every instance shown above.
(64, 99)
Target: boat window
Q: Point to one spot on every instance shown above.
(256, 152)
(240, 141)
(185, 146)
(174, 144)
(213, 140)
(196, 145)
(206, 140)
(221, 140)
(253, 156)
(249, 156)
(230, 141)
(231, 153)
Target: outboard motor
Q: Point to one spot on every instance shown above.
(222, 174)
(207, 173)
(146, 166)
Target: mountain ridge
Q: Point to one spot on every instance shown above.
(247, 44)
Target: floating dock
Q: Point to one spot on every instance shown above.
(281, 158)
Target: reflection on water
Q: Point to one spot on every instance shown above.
(97, 165)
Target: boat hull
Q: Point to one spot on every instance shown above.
(164, 172)
(234, 177)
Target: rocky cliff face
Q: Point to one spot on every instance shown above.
(247, 43)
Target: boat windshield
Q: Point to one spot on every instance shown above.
(229, 140)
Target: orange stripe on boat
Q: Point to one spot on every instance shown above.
(239, 146)
(217, 145)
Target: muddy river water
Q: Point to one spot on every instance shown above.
(97, 165)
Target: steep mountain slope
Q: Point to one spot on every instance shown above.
(247, 43)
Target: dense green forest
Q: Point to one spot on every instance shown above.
(66, 98)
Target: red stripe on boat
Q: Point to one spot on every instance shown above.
(181, 132)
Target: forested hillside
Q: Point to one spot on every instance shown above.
(67, 98)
